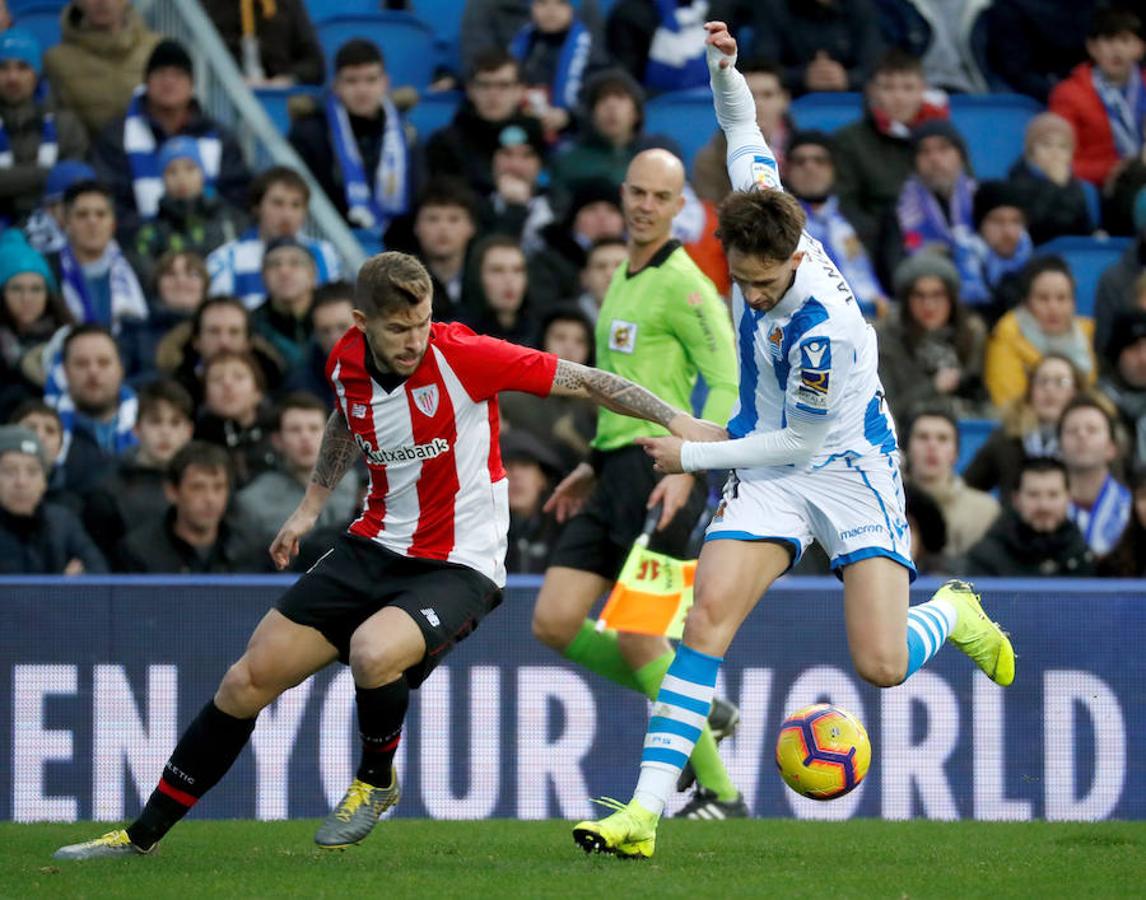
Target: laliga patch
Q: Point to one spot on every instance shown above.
(816, 382)
(816, 353)
(622, 336)
(763, 172)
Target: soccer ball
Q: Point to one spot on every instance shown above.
(822, 751)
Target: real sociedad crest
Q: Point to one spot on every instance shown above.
(426, 399)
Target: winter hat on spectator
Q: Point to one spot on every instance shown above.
(20, 44)
(989, 196)
(63, 175)
(169, 54)
(17, 439)
(941, 128)
(592, 190)
(614, 81)
(811, 137)
(521, 446)
(179, 147)
(285, 241)
(17, 257)
(523, 131)
(1128, 329)
(922, 265)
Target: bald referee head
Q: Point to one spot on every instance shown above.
(650, 198)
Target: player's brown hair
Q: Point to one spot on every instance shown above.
(764, 223)
(391, 280)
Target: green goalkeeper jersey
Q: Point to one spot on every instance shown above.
(659, 328)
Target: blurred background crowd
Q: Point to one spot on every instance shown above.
(169, 296)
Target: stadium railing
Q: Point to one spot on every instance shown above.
(98, 675)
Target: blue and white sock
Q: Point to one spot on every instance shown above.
(679, 714)
(927, 628)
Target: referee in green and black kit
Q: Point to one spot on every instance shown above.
(661, 323)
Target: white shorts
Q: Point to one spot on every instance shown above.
(855, 512)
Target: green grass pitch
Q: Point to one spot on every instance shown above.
(759, 858)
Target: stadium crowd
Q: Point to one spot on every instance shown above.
(166, 316)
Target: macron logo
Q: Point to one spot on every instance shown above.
(412, 453)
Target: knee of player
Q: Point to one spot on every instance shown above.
(243, 688)
(373, 665)
(881, 670)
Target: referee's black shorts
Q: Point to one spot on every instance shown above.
(357, 577)
(598, 539)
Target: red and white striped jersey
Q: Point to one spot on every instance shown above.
(437, 486)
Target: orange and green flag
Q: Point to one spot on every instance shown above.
(652, 594)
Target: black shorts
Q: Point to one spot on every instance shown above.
(598, 539)
(358, 577)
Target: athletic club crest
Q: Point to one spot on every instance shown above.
(426, 399)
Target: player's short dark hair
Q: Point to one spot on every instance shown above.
(933, 411)
(391, 280)
(332, 292)
(490, 60)
(239, 356)
(303, 400)
(203, 454)
(268, 178)
(897, 61)
(764, 223)
(154, 394)
(448, 190)
(1088, 400)
(33, 406)
(220, 300)
(87, 186)
(1040, 465)
(86, 330)
(358, 52)
(1041, 265)
(1111, 22)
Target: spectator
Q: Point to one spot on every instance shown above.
(531, 469)
(45, 225)
(279, 46)
(503, 286)
(1035, 537)
(220, 323)
(466, 146)
(825, 45)
(932, 449)
(1033, 44)
(1029, 428)
(37, 538)
(1128, 559)
(944, 36)
(601, 261)
(1104, 99)
(931, 347)
(235, 414)
(180, 288)
(766, 81)
(127, 154)
(104, 47)
(99, 285)
(594, 214)
(1099, 503)
(660, 43)
(612, 135)
(357, 145)
(33, 136)
(1044, 322)
(554, 51)
(278, 203)
(30, 314)
(518, 205)
(284, 320)
(1053, 199)
(1125, 383)
(928, 532)
(810, 176)
(267, 502)
(998, 251)
(564, 424)
(332, 315)
(134, 492)
(44, 422)
(445, 222)
(1121, 287)
(875, 156)
(489, 24)
(188, 220)
(193, 537)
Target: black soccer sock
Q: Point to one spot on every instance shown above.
(207, 749)
(381, 711)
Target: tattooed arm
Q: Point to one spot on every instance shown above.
(335, 457)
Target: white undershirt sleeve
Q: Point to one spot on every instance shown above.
(796, 444)
(750, 160)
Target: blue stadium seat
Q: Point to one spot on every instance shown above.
(827, 111)
(1088, 258)
(406, 43)
(685, 116)
(973, 433)
(42, 19)
(321, 10)
(16, 7)
(993, 126)
(275, 100)
(445, 18)
(433, 111)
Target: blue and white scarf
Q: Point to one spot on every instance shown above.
(143, 156)
(1125, 108)
(984, 268)
(676, 53)
(922, 222)
(236, 268)
(566, 86)
(1102, 525)
(56, 395)
(840, 241)
(127, 298)
(48, 152)
(371, 206)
